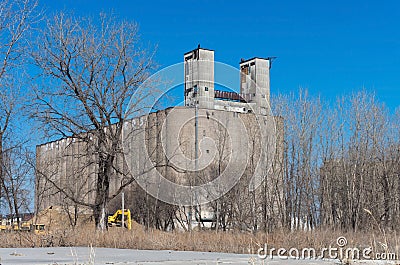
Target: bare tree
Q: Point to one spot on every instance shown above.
(91, 70)
(302, 119)
(341, 162)
(16, 20)
(359, 169)
(17, 180)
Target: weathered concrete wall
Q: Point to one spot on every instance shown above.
(66, 165)
(232, 145)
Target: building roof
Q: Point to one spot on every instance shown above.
(198, 48)
(251, 59)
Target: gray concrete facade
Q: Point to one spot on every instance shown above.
(237, 139)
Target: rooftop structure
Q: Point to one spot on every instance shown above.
(200, 90)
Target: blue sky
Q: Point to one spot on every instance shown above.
(329, 47)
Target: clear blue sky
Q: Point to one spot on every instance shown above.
(329, 47)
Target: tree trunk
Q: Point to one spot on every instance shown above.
(102, 188)
(3, 187)
(15, 200)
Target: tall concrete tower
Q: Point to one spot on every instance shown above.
(199, 78)
(255, 84)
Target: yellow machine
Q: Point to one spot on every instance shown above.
(116, 219)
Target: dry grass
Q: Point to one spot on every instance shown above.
(207, 241)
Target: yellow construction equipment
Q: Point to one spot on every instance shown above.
(116, 219)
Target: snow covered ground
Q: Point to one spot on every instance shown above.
(81, 255)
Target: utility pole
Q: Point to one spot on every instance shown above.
(123, 210)
(196, 139)
(196, 151)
